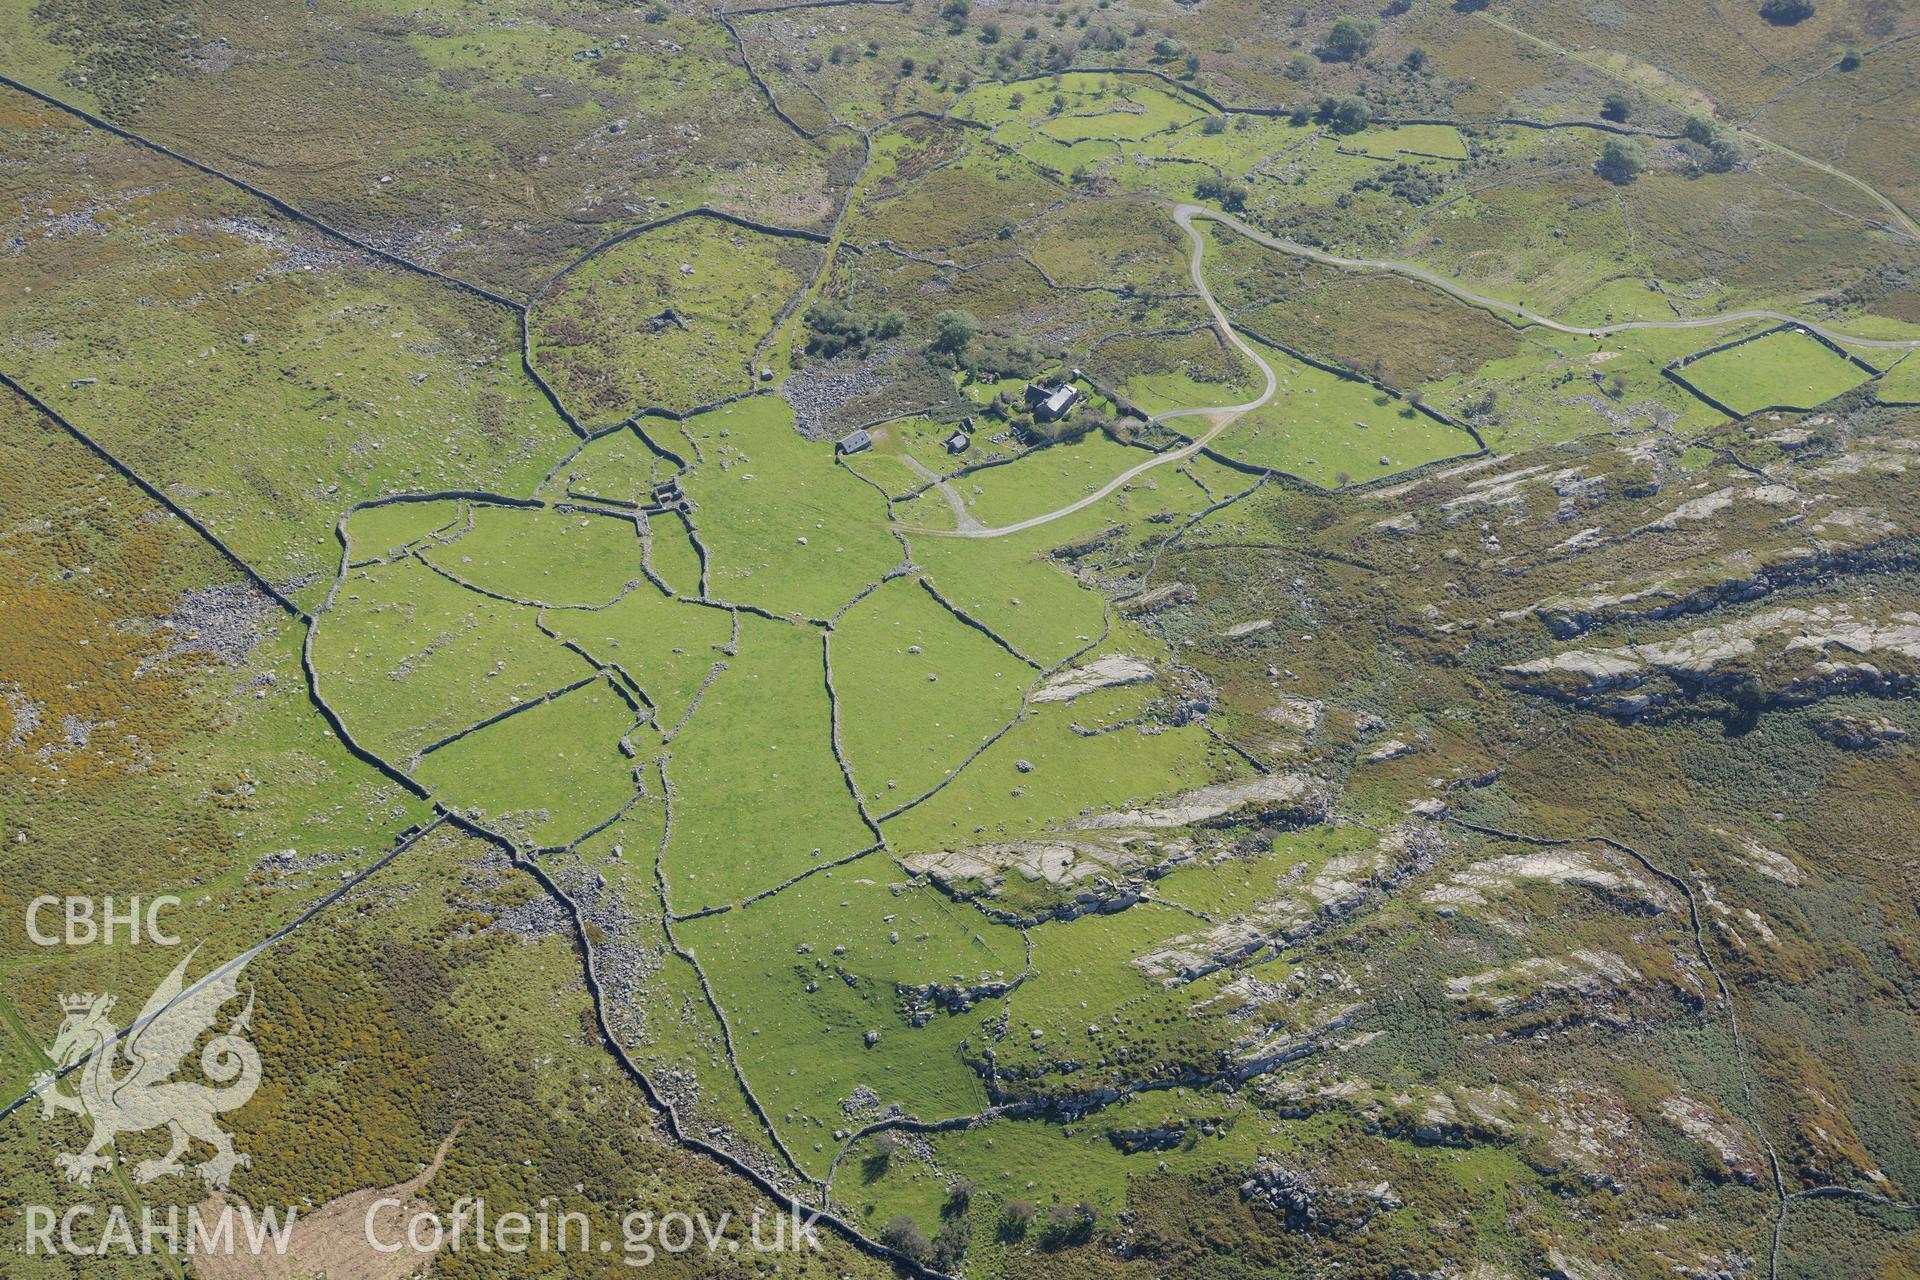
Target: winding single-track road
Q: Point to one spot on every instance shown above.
(1484, 302)
(1225, 416)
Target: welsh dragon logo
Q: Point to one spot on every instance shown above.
(125, 1083)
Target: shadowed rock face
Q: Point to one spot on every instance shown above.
(1102, 862)
(1787, 654)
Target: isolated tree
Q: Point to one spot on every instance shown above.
(950, 1243)
(1415, 61)
(1350, 39)
(953, 330)
(1621, 160)
(1166, 50)
(1069, 1224)
(904, 1234)
(1850, 60)
(1615, 107)
(1698, 129)
(1785, 13)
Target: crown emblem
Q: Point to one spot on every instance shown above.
(77, 1003)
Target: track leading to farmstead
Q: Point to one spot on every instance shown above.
(1224, 416)
(1221, 416)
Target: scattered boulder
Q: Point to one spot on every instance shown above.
(1102, 673)
(1159, 598)
(1391, 749)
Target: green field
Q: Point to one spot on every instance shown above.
(1787, 369)
(547, 775)
(1335, 431)
(784, 527)
(568, 560)
(1901, 385)
(918, 691)
(669, 319)
(757, 794)
(412, 657)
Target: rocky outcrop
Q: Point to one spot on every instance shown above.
(1303, 1204)
(1594, 868)
(1157, 599)
(1343, 884)
(1791, 655)
(1103, 862)
(921, 1003)
(1162, 1138)
(1703, 1123)
(1568, 617)
(1102, 673)
(1590, 978)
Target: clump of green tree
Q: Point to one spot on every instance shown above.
(1616, 107)
(1229, 195)
(1348, 113)
(960, 343)
(1722, 146)
(1621, 160)
(992, 356)
(951, 1242)
(1349, 39)
(1015, 1219)
(1406, 182)
(835, 330)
